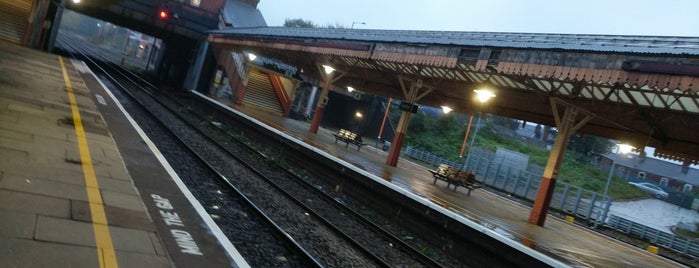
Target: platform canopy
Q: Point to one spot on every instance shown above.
(643, 90)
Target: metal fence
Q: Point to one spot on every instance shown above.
(587, 205)
(657, 237)
(490, 171)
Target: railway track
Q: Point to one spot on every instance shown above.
(320, 229)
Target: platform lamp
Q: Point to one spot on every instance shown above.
(251, 56)
(483, 95)
(623, 149)
(358, 116)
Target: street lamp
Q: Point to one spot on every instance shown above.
(623, 149)
(357, 22)
(483, 95)
(475, 134)
(468, 129)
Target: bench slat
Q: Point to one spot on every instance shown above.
(455, 177)
(348, 138)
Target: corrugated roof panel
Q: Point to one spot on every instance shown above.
(449, 74)
(521, 85)
(385, 65)
(427, 72)
(614, 97)
(655, 99)
(543, 85)
(587, 92)
(365, 64)
(460, 76)
(563, 88)
(496, 81)
(509, 82)
(675, 104)
(605, 43)
(640, 98)
(472, 77)
(689, 104)
(601, 92)
(624, 97)
(466, 67)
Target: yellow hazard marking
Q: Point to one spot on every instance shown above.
(103, 239)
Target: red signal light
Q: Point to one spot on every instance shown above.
(163, 14)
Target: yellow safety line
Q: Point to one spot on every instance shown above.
(103, 239)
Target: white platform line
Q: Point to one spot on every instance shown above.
(232, 252)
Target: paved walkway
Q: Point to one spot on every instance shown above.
(46, 165)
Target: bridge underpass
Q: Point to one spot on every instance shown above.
(638, 90)
(181, 25)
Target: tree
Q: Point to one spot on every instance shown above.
(299, 23)
(586, 144)
(336, 26)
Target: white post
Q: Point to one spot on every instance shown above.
(470, 146)
(309, 104)
(609, 179)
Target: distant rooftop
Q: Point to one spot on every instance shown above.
(239, 14)
(677, 45)
(658, 166)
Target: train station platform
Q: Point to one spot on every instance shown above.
(80, 186)
(573, 245)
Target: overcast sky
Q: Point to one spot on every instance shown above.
(618, 17)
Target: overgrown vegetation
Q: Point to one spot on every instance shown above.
(301, 23)
(444, 135)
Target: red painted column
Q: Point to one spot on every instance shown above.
(411, 97)
(320, 107)
(548, 181)
(397, 144)
(543, 200)
(394, 152)
(317, 116)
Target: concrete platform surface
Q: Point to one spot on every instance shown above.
(68, 198)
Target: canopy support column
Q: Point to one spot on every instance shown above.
(323, 98)
(566, 127)
(411, 96)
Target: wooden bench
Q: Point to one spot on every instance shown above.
(349, 137)
(456, 177)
